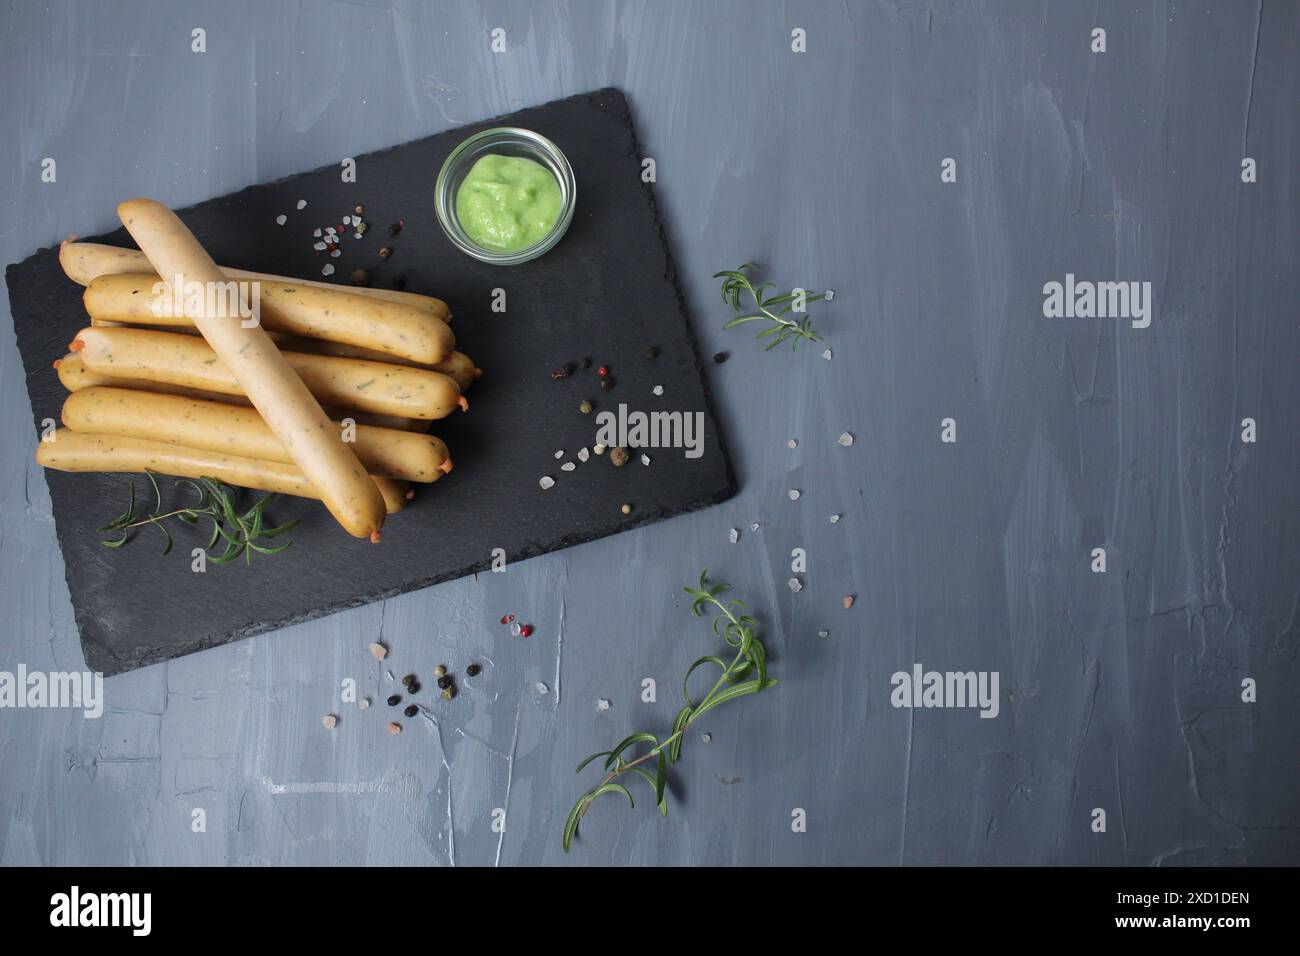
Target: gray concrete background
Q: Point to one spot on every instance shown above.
(1121, 690)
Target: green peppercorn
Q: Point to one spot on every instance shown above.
(439, 671)
(585, 407)
(449, 692)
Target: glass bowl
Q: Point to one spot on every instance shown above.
(504, 141)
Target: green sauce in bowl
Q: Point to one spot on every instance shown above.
(508, 203)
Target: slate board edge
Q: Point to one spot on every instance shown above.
(100, 658)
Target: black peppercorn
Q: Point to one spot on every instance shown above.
(408, 680)
(413, 687)
(411, 711)
(394, 700)
(444, 681)
(396, 227)
(472, 670)
(585, 363)
(721, 357)
(651, 352)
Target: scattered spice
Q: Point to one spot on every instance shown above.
(848, 601)
(394, 700)
(602, 705)
(444, 681)
(396, 227)
(796, 585)
(563, 372)
(721, 357)
(626, 509)
(598, 448)
(385, 252)
(651, 353)
(793, 443)
(657, 390)
(603, 371)
(794, 494)
(835, 519)
(619, 457)
(645, 459)
(394, 728)
(449, 692)
(546, 482)
(411, 710)
(585, 407)
(515, 628)
(363, 703)
(360, 277)
(328, 270)
(359, 209)
(378, 651)
(823, 633)
(281, 219)
(733, 535)
(472, 670)
(302, 204)
(504, 620)
(329, 721)
(440, 670)
(526, 630)
(846, 439)
(408, 680)
(827, 355)
(568, 466)
(583, 454)
(607, 383)
(585, 363)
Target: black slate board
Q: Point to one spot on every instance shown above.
(608, 291)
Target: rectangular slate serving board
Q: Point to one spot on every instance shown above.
(608, 291)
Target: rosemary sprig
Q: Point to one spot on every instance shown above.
(734, 626)
(216, 502)
(735, 282)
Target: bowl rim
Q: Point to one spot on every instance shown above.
(445, 204)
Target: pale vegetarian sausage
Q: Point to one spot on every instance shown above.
(83, 262)
(261, 372)
(75, 376)
(71, 451)
(188, 361)
(334, 315)
(233, 430)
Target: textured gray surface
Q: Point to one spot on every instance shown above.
(1123, 689)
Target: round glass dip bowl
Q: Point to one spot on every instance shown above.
(503, 141)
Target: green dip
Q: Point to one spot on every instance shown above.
(507, 203)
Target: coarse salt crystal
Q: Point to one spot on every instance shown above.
(583, 454)
(835, 519)
(328, 270)
(546, 482)
(599, 449)
(319, 246)
(330, 231)
(560, 453)
(793, 443)
(363, 703)
(706, 737)
(356, 235)
(347, 220)
(378, 651)
(734, 535)
(796, 585)
(794, 494)
(846, 439)
(516, 628)
(602, 705)
(827, 355)
(658, 389)
(281, 219)
(829, 295)
(302, 204)
(335, 253)
(754, 526)
(541, 688)
(645, 459)
(823, 633)
(316, 233)
(568, 466)
(329, 721)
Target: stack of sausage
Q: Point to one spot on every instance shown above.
(328, 396)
